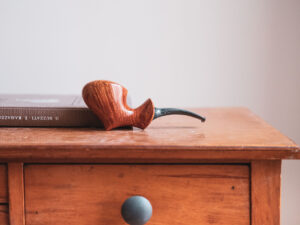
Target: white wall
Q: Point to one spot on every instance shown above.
(180, 53)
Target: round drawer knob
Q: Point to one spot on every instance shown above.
(136, 210)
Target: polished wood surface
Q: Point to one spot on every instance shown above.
(4, 215)
(3, 184)
(265, 192)
(179, 194)
(228, 134)
(108, 100)
(16, 194)
(71, 192)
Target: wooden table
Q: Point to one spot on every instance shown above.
(223, 171)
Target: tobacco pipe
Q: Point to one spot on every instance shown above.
(107, 100)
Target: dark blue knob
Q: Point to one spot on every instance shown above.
(136, 210)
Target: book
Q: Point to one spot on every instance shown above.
(46, 111)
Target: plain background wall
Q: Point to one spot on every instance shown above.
(180, 53)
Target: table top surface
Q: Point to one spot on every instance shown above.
(228, 132)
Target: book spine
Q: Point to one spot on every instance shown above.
(48, 117)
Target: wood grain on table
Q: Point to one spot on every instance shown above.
(228, 133)
(3, 184)
(16, 194)
(265, 192)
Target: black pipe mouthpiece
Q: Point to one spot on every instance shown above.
(159, 112)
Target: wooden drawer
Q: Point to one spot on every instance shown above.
(179, 194)
(3, 184)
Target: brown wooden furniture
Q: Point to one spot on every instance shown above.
(225, 171)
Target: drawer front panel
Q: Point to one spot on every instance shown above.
(179, 194)
(3, 184)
